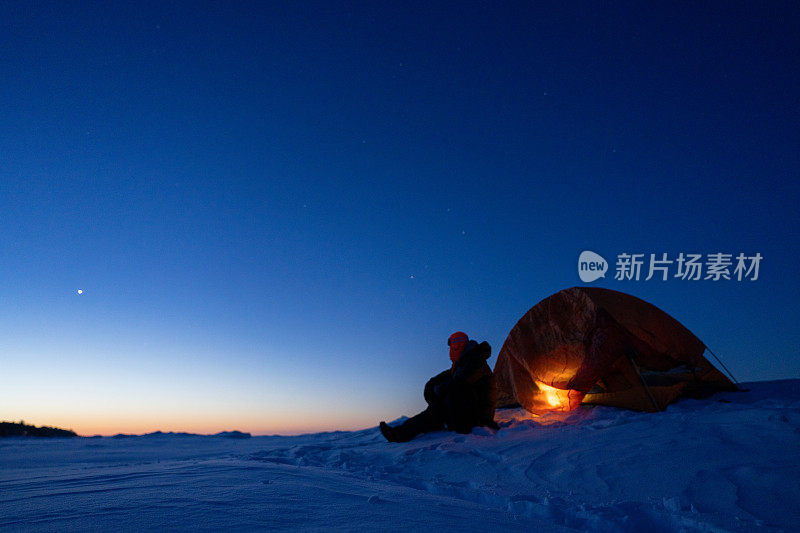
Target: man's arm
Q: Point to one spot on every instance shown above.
(435, 388)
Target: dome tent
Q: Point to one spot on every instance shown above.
(593, 345)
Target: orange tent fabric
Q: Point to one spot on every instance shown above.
(593, 345)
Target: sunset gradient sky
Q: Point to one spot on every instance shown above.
(278, 211)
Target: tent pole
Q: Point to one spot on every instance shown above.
(723, 366)
(644, 383)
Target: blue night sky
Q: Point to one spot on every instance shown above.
(277, 212)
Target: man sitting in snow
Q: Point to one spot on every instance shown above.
(459, 398)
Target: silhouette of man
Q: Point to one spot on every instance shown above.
(459, 399)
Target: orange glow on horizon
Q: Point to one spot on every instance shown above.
(267, 424)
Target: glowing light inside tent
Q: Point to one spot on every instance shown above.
(556, 398)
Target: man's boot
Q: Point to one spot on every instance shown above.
(388, 432)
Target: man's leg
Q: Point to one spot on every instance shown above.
(460, 410)
(430, 419)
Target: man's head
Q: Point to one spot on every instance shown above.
(457, 342)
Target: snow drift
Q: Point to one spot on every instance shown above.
(729, 463)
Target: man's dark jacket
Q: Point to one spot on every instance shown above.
(466, 394)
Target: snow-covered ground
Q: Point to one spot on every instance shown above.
(728, 463)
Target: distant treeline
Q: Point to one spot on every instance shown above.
(21, 429)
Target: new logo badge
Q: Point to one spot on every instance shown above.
(591, 266)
